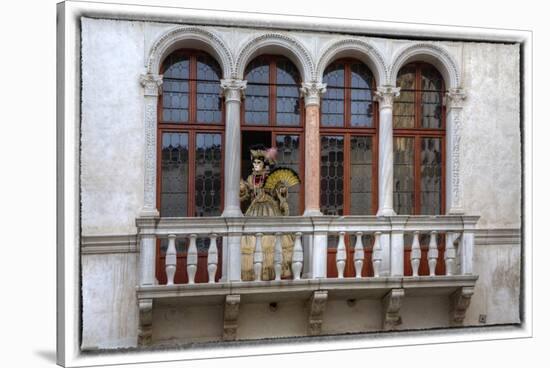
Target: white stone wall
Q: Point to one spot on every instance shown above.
(114, 55)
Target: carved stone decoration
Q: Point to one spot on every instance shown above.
(459, 303)
(451, 72)
(317, 305)
(214, 44)
(385, 96)
(454, 102)
(378, 64)
(233, 89)
(283, 41)
(230, 317)
(152, 84)
(391, 304)
(145, 328)
(312, 93)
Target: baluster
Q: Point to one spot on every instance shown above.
(432, 253)
(278, 259)
(297, 256)
(258, 257)
(171, 258)
(192, 259)
(450, 253)
(359, 254)
(341, 255)
(212, 259)
(376, 254)
(416, 254)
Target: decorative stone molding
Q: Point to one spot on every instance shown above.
(459, 303)
(317, 304)
(304, 58)
(379, 65)
(166, 42)
(145, 328)
(385, 96)
(108, 244)
(391, 304)
(454, 98)
(451, 74)
(233, 89)
(312, 92)
(454, 101)
(152, 84)
(230, 317)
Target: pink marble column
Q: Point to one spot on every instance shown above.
(312, 95)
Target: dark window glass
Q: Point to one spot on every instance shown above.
(332, 106)
(209, 103)
(332, 175)
(361, 96)
(361, 175)
(288, 94)
(175, 87)
(174, 182)
(404, 106)
(288, 155)
(403, 174)
(430, 176)
(208, 172)
(257, 93)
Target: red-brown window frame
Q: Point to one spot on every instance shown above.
(272, 126)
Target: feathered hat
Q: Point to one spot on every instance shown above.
(268, 155)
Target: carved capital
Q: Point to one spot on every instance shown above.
(460, 301)
(145, 330)
(391, 305)
(454, 99)
(152, 84)
(233, 89)
(385, 96)
(317, 304)
(230, 317)
(312, 92)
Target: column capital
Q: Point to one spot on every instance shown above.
(233, 89)
(312, 92)
(454, 98)
(152, 84)
(385, 96)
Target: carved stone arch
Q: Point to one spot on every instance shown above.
(190, 37)
(358, 49)
(276, 43)
(430, 53)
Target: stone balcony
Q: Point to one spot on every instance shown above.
(347, 258)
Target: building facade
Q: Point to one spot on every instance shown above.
(408, 215)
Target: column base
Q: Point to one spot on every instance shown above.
(232, 212)
(312, 212)
(386, 212)
(149, 212)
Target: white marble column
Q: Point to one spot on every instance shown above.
(454, 102)
(233, 90)
(385, 96)
(312, 95)
(151, 90)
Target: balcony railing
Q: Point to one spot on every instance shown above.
(357, 256)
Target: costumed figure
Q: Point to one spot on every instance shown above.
(267, 190)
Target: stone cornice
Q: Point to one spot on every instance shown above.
(312, 93)
(108, 244)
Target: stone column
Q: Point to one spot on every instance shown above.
(385, 96)
(312, 95)
(454, 102)
(233, 90)
(151, 90)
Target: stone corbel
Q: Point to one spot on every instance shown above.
(459, 303)
(317, 304)
(145, 329)
(312, 92)
(230, 317)
(391, 305)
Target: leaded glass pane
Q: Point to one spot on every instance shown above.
(332, 105)
(208, 174)
(403, 175)
(403, 106)
(430, 176)
(256, 103)
(174, 172)
(361, 175)
(288, 94)
(175, 87)
(332, 175)
(361, 96)
(432, 93)
(288, 155)
(209, 103)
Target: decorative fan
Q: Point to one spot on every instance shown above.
(287, 176)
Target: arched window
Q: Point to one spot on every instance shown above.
(190, 128)
(348, 140)
(273, 115)
(419, 141)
